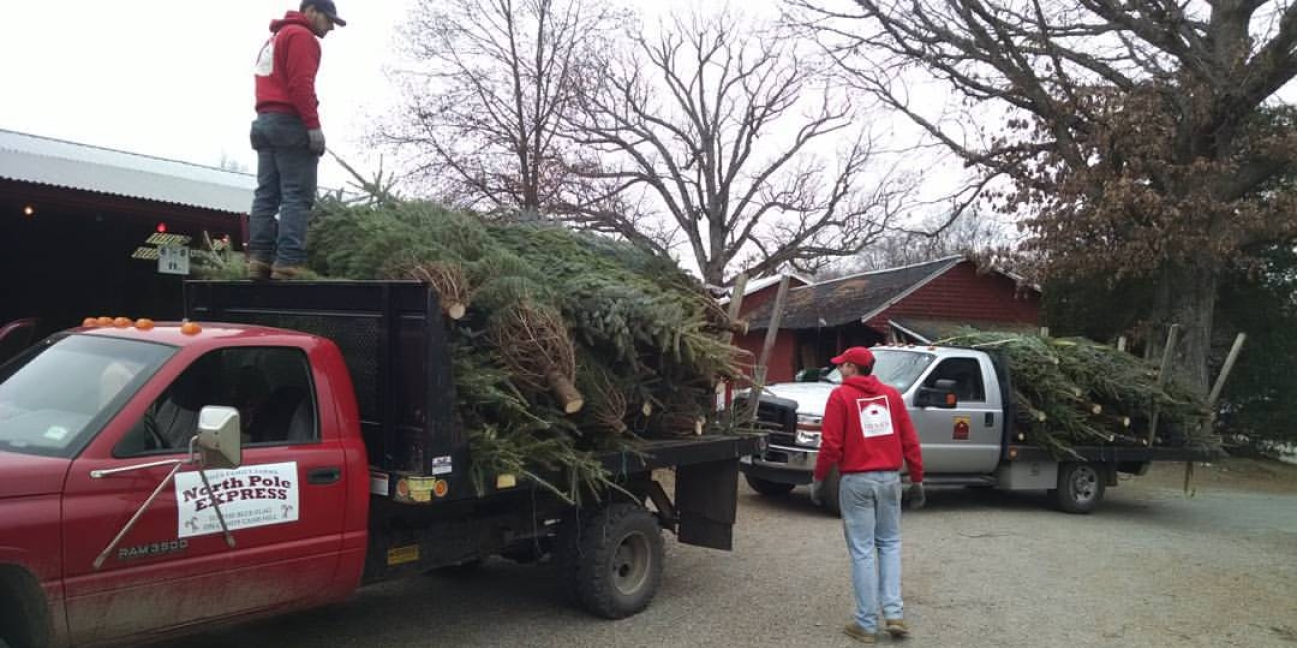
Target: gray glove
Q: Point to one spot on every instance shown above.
(917, 496)
(817, 493)
(317, 141)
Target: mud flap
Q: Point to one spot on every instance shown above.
(707, 503)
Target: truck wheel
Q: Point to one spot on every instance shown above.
(832, 486)
(24, 617)
(616, 562)
(1080, 487)
(768, 488)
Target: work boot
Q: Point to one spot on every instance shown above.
(896, 628)
(258, 270)
(858, 633)
(283, 272)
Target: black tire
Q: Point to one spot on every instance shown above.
(832, 486)
(24, 616)
(1080, 487)
(612, 560)
(769, 488)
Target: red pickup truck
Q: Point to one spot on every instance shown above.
(284, 446)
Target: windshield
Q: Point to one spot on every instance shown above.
(54, 396)
(894, 367)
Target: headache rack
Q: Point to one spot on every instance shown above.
(394, 342)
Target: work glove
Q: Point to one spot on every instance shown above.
(316, 141)
(817, 492)
(917, 496)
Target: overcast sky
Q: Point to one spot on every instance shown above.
(173, 78)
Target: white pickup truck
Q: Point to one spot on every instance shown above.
(956, 397)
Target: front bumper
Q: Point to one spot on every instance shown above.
(781, 464)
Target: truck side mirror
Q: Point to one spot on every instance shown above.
(219, 442)
(942, 395)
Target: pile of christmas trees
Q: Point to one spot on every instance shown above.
(1076, 392)
(564, 344)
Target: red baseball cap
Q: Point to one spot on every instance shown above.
(857, 355)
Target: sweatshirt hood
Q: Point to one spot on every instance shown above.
(868, 384)
(290, 18)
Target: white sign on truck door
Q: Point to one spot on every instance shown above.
(250, 496)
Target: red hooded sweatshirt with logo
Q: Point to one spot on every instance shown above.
(286, 70)
(866, 427)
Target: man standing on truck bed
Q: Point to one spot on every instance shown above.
(288, 139)
(866, 433)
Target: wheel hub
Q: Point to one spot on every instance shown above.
(630, 564)
(1085, 483)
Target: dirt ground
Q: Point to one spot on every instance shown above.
(1255, 475)
(1151, 567)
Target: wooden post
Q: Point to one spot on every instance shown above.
(736, 303)
(735, 308)
(1121, 343)
(772, 332)
(1234, 352)
(1044, 331)
(1216, 389)
(1168, 353)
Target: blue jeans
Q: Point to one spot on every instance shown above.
(286, 176)
(871, 518)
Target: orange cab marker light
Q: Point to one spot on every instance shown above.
(90, 322)
(950, 400)
(122, 322)
(144, 324)
(105, 321)
(190, 328)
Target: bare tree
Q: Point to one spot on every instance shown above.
(1139, 135)
(727, 129)
(490, 83)
(972, 234)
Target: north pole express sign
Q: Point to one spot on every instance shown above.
(250, 496)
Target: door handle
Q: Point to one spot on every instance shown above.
(990, 419)
(322, 476)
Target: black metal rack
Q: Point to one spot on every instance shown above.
(394, 342)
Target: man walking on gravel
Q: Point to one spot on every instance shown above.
(288, 139)
(867, 432)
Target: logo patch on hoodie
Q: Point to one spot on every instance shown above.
(266, 59)
(875, 416)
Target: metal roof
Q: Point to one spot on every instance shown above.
(42, 160)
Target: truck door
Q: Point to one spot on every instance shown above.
(174, 567)
(966, 439)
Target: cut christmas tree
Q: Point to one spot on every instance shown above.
(564, 344)
(1076, 392)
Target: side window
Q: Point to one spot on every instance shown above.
(967, 374)
(271, 388)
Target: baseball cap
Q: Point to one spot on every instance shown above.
(857, 355)
(327, 8)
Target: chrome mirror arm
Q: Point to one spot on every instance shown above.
(194, 459)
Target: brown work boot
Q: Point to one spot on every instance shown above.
(860, 634)
(283, 272)
(258, 270)
(896, 628)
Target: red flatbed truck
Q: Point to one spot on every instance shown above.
(286, 445)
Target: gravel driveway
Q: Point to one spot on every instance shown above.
(1150, 568)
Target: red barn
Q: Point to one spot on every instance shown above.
(919, 303)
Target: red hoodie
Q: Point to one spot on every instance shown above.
(866, 427)
(286, 70)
